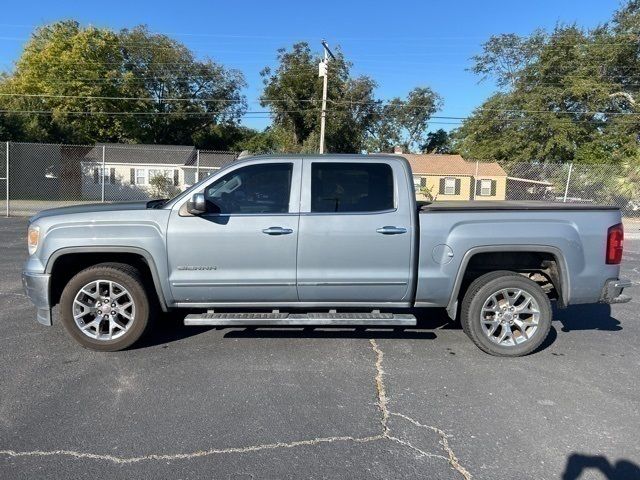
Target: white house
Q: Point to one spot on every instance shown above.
(129, 170)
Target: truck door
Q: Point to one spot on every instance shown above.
(243, 249)
(355, 240)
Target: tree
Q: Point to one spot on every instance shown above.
(404, 122)
(505, 56)
(274, 139)
(438, 142)
(81, 79)
(567, 99)
(162, 187)
(356, 120)
(293, 92)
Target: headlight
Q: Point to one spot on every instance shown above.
(33, 237)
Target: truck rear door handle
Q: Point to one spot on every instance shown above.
(277, 231)
(389, 230)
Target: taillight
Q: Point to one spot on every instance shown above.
(615, 237)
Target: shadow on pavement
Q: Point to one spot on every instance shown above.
(331, 332)
(169, 327)
(587, 317)
(427, 319)
(578, 463)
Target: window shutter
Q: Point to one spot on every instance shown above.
(478, 187)
(458, 186)
(133, 176)
(442, 186)
(112, 176)
(493, 188)
(423, 182)
(176, 177)
(96, 175)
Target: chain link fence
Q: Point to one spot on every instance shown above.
(44, 176)
(36, 176)
(570, 182)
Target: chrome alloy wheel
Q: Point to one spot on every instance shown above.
(103, 310)
(510, 317)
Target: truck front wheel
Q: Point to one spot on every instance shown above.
(105, 307)
(506, 314)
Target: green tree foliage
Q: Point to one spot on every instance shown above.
(162, 187)
(404, 122)
(565, 96)
(293, 92)
(438, 142)
(63, 64)
(356, 120)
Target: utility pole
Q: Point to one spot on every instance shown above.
(323, 72)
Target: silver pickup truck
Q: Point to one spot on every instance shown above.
(320, 240)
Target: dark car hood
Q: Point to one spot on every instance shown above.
(90, 208)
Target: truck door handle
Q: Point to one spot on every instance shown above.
(277, 231)
(389, 230)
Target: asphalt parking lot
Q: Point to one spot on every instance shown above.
(318, 403)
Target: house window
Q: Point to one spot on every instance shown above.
(449, 186)
(485, 188)
(107, 173)
(168, 174)
(141, 176)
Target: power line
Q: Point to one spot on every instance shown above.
(311, 100)
(129, 112)
(436, 119)
(335, 102)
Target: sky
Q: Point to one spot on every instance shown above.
(400, 44)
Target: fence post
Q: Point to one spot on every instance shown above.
(197, 166)
(103, 172)
(7, 179)
(475, 181)
(566, 188)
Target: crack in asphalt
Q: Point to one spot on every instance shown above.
(383, 407)
(15, 294)
(453, 459)
(382, 403)
(191, 455)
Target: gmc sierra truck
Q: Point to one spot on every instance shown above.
(320, 240)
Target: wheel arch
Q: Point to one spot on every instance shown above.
(563, 282)
(84, 257)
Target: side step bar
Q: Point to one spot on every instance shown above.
(300, 319)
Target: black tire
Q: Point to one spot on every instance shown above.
(126, 276)
(484, 287)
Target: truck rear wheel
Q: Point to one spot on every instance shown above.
(506, 314)
(105, 307)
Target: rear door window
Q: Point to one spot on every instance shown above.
(351, 187)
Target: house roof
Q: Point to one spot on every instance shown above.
(144, 154)
(440, 164)
(210, 159)
(528, 180)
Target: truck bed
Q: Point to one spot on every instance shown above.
(574, 233)
(529, 205)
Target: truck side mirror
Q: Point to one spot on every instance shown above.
(197, 204)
